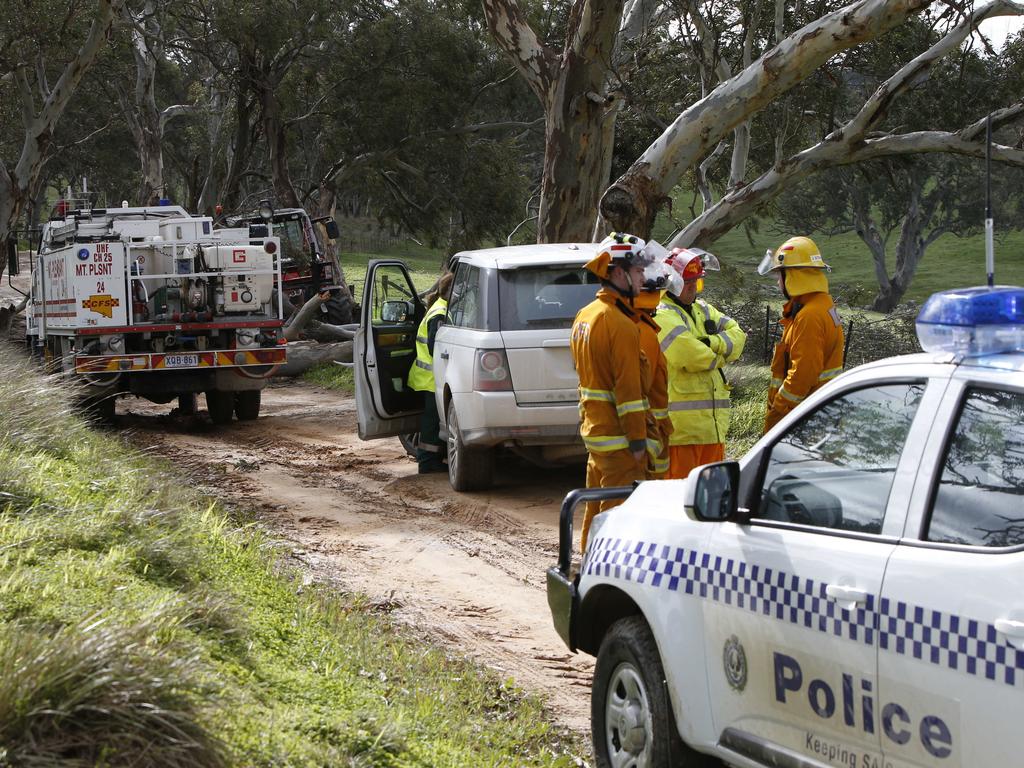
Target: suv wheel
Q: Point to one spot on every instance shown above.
(631, 716)
(469, 469)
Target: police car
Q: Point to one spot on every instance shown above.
(850, 593)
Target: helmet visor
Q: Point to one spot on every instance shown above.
(767, 263)
(651, 253)
(656, 275)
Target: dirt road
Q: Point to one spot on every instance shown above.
(467, 569)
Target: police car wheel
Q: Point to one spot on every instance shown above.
(630, 713)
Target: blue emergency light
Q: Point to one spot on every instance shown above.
(973, 321)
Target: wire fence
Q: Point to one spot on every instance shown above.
(867, 337)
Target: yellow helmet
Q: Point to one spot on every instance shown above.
(795, 252)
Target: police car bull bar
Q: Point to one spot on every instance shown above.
(561, 583)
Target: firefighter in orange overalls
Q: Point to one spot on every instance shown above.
(810, 352)
(613, 372)
(659, 425)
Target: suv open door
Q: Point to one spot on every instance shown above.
(384, 350)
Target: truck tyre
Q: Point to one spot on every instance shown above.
(337, 310)
(187, 403)
(247, 404)
(221, 405)
(631, 716)
(469, 469)
(101, 410)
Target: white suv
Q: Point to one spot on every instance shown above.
(851, 593)
(502, 364)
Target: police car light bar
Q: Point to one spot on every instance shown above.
(973, 321)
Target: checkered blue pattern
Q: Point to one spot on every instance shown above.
(965, 645)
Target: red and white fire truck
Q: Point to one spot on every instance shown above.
(155, 302)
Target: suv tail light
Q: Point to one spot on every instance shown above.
(490, 371)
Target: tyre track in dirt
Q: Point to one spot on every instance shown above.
(465, 569)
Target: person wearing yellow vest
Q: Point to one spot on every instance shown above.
(613, 372)
(697, 340)
(430, 450)
(810, 352)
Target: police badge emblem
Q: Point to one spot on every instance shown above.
(734, 659)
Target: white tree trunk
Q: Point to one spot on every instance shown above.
(631, 203)
(16, 183)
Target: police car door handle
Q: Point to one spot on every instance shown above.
(445, 355)
(847, 598)
(1014, 631)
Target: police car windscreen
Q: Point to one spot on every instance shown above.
(543, 297)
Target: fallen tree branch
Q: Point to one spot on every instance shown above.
(299, 320)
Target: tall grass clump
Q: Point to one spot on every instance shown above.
(94, 693)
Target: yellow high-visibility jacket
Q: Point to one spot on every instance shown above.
(809, 353)
(421, 375)
(606, 351)
(698, 392)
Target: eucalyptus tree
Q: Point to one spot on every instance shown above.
(45, 50)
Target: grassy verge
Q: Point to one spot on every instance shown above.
(141, 625)
(331, 376)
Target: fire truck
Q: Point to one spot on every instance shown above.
(153, 301)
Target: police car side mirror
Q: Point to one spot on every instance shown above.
(710, 492)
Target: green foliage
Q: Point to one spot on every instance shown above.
(141, 626)
(331, 376)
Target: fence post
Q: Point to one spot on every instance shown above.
(846, 345)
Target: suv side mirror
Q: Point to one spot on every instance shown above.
(710, 492)
(396, 311)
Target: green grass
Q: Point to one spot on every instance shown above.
(950, 262)
(142, 625)
(332, 376)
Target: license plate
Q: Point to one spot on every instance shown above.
(181, 361)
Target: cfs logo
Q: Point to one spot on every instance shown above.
(851, 703)
(104, 305)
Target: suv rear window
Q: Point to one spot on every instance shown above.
(543, 297)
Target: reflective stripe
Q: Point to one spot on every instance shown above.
(605, 443)
(707, 310)
(698, 405)
(659, 413)
(429, 447)
(835, 317)
(714, 363)
(659, 466)
(723, 321)
(422, 339)
(424, 366)
(728, 343)
(671, 336)
(776, 383)
(678, 312)
(596, 394)
(831, 373)
(792, 398)
(633, 406)
(653, 447)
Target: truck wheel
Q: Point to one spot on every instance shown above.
(631, 716)
(469, 469)
(221, 405)
(337, 310)
(247, 404)
(187, 403)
